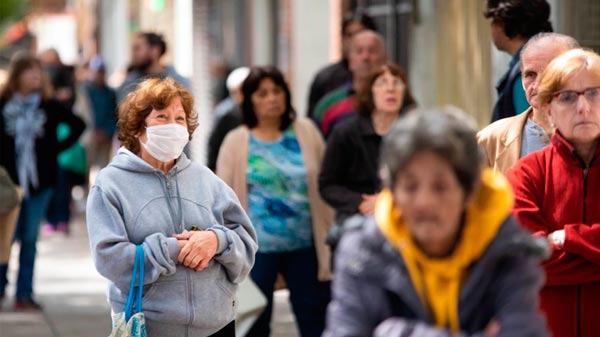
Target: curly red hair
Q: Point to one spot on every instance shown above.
(151, 94)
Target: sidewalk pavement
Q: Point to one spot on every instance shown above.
(73, 294)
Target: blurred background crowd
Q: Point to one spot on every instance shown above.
(351, 66)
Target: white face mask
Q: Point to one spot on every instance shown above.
(166, 142)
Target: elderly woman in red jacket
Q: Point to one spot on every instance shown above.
(557, 192)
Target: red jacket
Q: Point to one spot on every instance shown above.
(554, 190)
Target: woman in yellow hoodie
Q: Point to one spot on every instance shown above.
(442, 255)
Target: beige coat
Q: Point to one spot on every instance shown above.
(233, 161)
(502, 139)
(8, 223)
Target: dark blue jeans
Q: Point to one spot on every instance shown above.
(308, 295)
(59, 208)
(33, 209)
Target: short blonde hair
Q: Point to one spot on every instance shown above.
(563, 67)
(154, 93)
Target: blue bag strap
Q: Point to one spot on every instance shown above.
(141, 265)
(138, 264)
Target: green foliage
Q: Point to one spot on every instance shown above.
(12, 10)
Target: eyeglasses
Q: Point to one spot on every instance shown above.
(569, 98)
(395, 84)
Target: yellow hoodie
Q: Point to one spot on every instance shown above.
(438, 281)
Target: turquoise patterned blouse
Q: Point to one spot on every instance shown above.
(278, 194)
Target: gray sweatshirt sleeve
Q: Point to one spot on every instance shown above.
(114, 253)
(236, 235)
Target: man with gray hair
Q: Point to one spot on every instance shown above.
(366, 54)
(508, 139)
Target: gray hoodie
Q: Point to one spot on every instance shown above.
(132, 203)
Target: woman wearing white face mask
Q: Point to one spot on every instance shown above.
(198, 242)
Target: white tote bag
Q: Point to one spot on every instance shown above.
(250, 304)
(131, 322)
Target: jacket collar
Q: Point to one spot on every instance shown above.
(565, 147)
(387, 267)
(516, 133)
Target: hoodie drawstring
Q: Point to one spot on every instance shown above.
(177, 217)
(179, 202)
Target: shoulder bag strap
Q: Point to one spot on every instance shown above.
(140, 291)
(139, 252)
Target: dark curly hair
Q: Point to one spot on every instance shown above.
(520, 17)
(364, 97)
(153, 93)
(154, 40)
(251, 85)
(358, 16)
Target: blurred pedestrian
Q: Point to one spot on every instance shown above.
(72, 162)
(62, 77)
(234, 87)
(147, 50)
(508, 139)
(272, 163)
(366, 54)
(29, 151)
(198, 241)
(442, 256)
(219, 70)
(337, 74)
(513, 22)
(558, 192)
(103, 104)
(349, 179)
(227, 115)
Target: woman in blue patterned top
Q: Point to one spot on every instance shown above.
(272, 163)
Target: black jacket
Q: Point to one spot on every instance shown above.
(228, 122)
(327, 79)
(505, 106)
(350, 165)
(47, 147)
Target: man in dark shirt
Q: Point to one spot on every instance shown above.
(513, 22)
(146, 54)
(367, 53)
(337, 74)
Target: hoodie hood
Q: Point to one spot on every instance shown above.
(438, 281)
(127, 160)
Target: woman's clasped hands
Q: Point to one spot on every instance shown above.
(196, 248)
